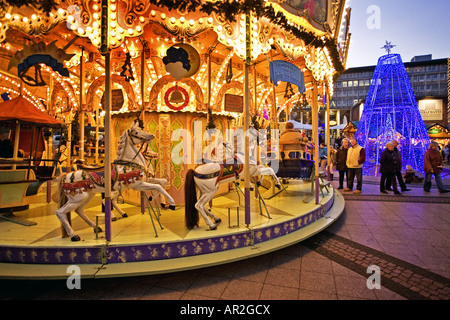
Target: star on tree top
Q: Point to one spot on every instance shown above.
(388, 46)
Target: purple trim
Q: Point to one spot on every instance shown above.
(108, 219)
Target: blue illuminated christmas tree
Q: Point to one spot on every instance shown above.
(391, 112)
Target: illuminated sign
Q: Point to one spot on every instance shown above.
(431, 109)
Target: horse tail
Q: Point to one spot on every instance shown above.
(190, 199)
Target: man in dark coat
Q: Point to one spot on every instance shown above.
(433, 164)
(341, 162)
(398, 169)
(388, 164)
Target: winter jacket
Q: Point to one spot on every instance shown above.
(433, 159)
(388, 162)
(355, 157)
(341, 159)
(398, 160)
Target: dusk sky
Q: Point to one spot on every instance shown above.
(415, 27)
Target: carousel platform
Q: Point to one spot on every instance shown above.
(138, 247)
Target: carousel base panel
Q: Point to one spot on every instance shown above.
(141, 245)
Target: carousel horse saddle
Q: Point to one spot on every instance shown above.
(98, 175)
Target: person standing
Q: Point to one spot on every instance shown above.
(398, 169)
(341, 162)
(433, 164)
(323, 156)
(388, 165)
(356, 157)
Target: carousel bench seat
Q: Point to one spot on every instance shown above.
(17, 188)
(296, 169)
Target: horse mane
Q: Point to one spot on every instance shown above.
(121, 144)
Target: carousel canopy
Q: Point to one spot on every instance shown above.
(22, 110)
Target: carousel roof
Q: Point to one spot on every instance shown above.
(313, 36)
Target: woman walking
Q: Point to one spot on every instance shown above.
(433, 164)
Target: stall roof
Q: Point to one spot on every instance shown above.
(24, 111)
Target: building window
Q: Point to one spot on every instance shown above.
(344, 84)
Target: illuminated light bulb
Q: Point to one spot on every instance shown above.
(191, 22)
(112, 24)
(112, 16)
(95, 15)
(120, 30)
(130, 31)
(25, 19)
(153, 13)
(95, 24)
(173, 20)
(60, 11)
(8, 16)
(95, 7)
(113, 7)
(138, 29)
(210, 20)
(163, 16)
(142, 19)
(182, 19)
(200, 20)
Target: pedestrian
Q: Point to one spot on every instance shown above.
(398, 169)
(446, 152)
(356, 157)
(433, 164)
(323, 156)
(388, 164)
(341, 162)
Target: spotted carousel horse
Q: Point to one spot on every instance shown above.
(128, 170)
(206, 179)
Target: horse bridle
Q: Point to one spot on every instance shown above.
(132, 135)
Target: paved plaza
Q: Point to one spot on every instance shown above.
(406, 238)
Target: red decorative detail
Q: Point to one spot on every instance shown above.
(131, 177)
(78, 187)
(171, 106)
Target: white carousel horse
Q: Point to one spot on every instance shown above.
(127, 171)
(206, 179)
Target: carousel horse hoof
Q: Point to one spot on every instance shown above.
(251, 188)
(213, 228)
(163, 205)
(124, 215)
(278, 186)
(150, 198)
(98, 229)
(258, 183)
(218, 220)
(172, 207)
(75, 238)
(114, 219)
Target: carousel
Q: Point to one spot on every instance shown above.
(163, 152)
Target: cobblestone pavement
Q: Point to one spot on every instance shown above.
(408, 240)
(406, 279)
